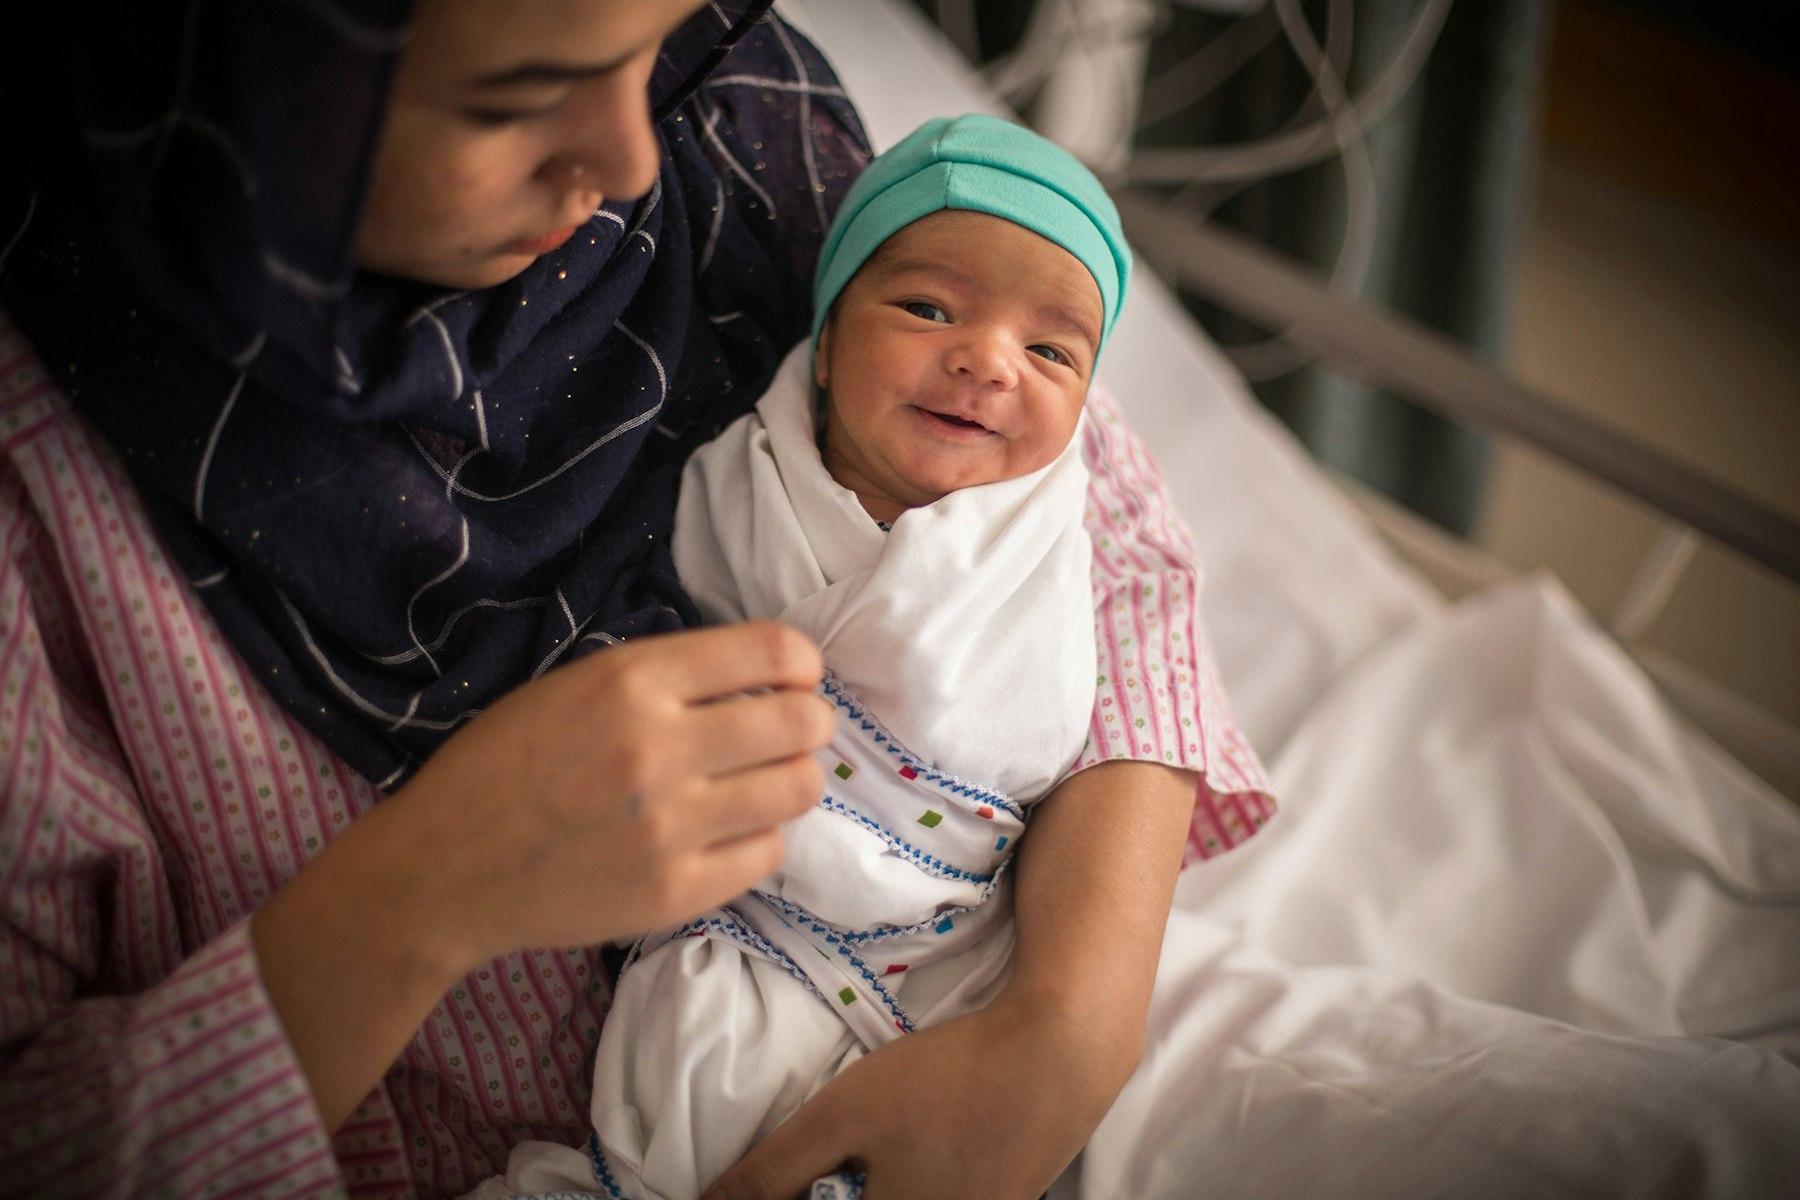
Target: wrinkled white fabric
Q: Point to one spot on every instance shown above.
(960, 655)
(1265, 1080)
(940, 627)
(1499, 801)
(1491, 947)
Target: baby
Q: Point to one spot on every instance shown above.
(908, 493)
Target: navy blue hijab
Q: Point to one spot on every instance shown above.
(399, 501)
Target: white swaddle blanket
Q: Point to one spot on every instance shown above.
(959, 650)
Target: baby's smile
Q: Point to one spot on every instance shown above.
(958, 355)
(949, 425)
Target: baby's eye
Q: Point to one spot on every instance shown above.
(1051, 353)
(925, 310)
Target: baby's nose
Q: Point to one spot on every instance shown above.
(985, 361)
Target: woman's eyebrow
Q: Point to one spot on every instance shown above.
(542, 72)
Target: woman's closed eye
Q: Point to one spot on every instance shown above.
(491, 118)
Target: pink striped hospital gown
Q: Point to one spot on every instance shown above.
(154, 796)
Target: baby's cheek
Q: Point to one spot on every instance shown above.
(1034, 453)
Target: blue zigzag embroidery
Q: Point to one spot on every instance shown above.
(931, 864)
(797, 915)
(944, 782)
(597, 1157)
(735, 931)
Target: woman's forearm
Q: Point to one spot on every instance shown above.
(352, 962)
(1095, 877)
(538, 826)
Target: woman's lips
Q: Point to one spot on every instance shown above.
(543, 245)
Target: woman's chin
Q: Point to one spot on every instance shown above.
(486, 272)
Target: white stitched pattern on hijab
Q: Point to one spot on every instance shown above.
(306, 284)
(212, 442)
(772, 84)
(817, 188)
(623, 427)
(397, 721)
(30, 211)
(462, 556)
(110, 140)
(712, 235)
(709, 129)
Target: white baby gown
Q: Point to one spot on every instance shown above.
(959, 650)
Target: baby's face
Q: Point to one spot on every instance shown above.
(958, 355)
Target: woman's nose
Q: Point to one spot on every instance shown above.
(611, 153)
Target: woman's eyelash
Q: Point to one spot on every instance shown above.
(501, 116)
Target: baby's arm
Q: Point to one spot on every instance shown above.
(994, 1104)
(1094, 882)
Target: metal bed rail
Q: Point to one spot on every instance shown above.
(1384, 349)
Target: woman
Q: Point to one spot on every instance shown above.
(370, 349)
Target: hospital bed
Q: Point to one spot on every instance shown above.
(1481, 785)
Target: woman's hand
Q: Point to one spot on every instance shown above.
(628, 790)
(919, 1114)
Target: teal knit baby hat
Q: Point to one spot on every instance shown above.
(980, 164)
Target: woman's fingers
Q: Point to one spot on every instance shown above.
(745, 802)
(710, 663)
(747, 731)
(726, 871)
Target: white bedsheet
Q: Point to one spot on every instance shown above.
(1510, 900)
(1498, 801)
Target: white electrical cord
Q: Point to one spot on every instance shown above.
(1089, 100)
(1209, 68)
(1059, 30)
(1301, 147)
(1052, 29)
(1278, 356)
(957, 19)
(1204, 197)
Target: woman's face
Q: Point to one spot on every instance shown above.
(509, 125)
(958, 355)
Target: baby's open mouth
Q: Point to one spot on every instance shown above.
(956, 422)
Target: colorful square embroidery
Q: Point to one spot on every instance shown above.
(1000, 844)
(931, 818)
(847, 996)
(908, 773)
(895, 969)
(844, 770)
(985, 813)
(945, 925)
